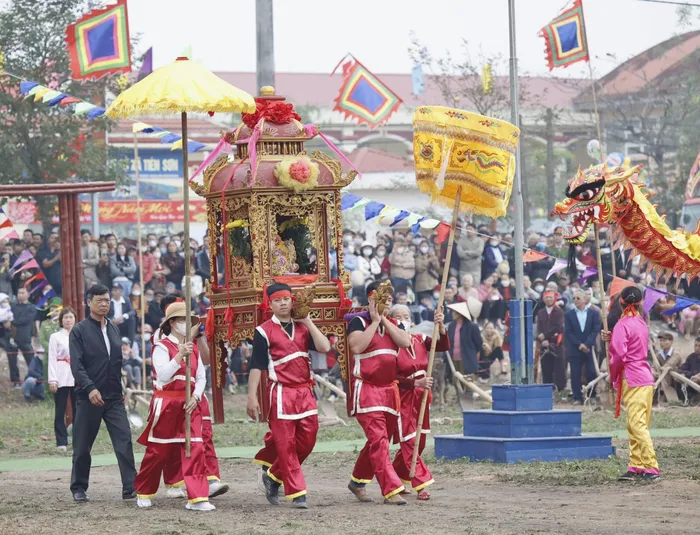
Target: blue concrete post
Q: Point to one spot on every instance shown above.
(516, 360)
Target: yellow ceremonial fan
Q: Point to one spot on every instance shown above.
(455, 148)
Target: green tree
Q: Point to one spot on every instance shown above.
(38, 143)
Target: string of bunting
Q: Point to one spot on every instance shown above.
(392, 216)
(42, 291)
(55, 98)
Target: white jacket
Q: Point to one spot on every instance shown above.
(59, 360)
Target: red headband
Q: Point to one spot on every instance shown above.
(550, 292)
(280, 294)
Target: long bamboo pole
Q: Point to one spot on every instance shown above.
(436, 328)
(603, 309)
(137, 170)
(188, 289)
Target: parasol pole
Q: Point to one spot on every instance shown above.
(436, 330)
(520, 375)
(188, 289)
(137, 165)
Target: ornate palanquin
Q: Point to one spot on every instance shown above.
(278, 223)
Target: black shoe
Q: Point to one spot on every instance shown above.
(650, 477)
(628, 476)
(129, 495)
(80, 496)
(300, 502)
(271, 489)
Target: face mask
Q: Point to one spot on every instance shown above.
(180, 328)
(539, 288)
(157, 255)
(144, 249)
(146, 337)
(406, 325)
(206, 301)
(177, 243)
(505, 283)
(5, 304)
(357, 241)
(436, 296)
(163, 250)
(495, 297)
(366, 252)
(424, 250)
(152, 243)
(493, 243)
(347, 240)
(149, 298)
(380, 254)
(136, 292)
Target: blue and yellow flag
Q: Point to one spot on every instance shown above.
(364, 97)
(565, 38)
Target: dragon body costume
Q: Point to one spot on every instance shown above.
(601, 194)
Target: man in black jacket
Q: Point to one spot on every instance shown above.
(96, 363)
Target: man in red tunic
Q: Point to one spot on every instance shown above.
(374, 343)
(281, 346)
(164, 436)
(412, 366)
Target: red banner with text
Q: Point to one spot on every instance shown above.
(24, 212)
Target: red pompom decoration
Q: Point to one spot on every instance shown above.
(274, 111)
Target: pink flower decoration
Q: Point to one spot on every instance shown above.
(300, 171)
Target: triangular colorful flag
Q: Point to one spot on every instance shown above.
(349, 200)
(169, 137)
(587, 274)
(33, 91)
(48, 295)
(533, 256)
(443, 231)
(403, 214)
(6, 224)
(681, 303)
(50, 95)
(651, 296)
(12, 235)
(21, 259)
(147, 65)
(558, 266)
(29, 265)
(95, 112)
(415, 228)
(58, 99)
(40, 92)
(618, 285)
(39, 286)
(26, 86)
(141, 127)
(83, 107)
(373, 209)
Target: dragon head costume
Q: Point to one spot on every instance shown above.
(601, 194)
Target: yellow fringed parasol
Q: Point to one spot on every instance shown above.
(180, 87)
(465, 161)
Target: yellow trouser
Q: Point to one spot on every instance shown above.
(638, 401)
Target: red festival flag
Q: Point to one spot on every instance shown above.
(364, 97)
(98, 43)
(565, 38)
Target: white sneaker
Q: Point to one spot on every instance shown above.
(200, 506)
(176, 492)
(62, 448)
(144, 503)
(217, 488)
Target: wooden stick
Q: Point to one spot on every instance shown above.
(473, 387)
(604, 308)
(436, 328)
(143, 288)
(683, 379)
(188, 290)
(455, 382)
(330, 385)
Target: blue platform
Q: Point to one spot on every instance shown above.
(523, 427)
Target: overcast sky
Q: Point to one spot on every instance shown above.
(312, 35)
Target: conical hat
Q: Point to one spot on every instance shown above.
(461, 308)
(475, 306)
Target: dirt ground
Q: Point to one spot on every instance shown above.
(467, 498)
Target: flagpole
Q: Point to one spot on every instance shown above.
(140, 247)
(521, 374)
